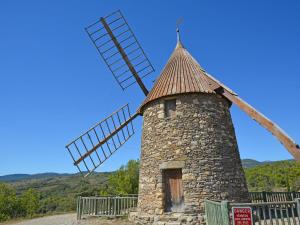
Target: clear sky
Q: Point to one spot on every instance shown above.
(54, 85)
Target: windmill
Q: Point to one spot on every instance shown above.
(185, 99)
(120, 50)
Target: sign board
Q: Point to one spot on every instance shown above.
(242, 216)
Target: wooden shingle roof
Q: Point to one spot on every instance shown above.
(181, 74)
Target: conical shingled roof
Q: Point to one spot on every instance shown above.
(181, 74)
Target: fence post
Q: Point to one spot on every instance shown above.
(96, 206)
(264, 195)
(79, 208)
(225, 212)
(206, 218)
(115, 205)
(298, 206)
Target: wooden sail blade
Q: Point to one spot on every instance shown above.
(95, 146)
(284, 138)
(120, 50)
(103, 141)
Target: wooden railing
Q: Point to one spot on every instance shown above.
(114, 206)
(105, 206)
(263, 213)
(273, 196)
(272, 213)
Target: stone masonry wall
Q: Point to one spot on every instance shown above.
(201, 140)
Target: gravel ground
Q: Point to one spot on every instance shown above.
(70, 219)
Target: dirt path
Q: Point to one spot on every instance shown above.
(70, 219)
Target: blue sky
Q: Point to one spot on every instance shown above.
(54, 85)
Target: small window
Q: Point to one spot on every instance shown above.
(170, 108)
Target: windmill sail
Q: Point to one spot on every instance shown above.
(120, 50)
(284, 138)
(96, 145)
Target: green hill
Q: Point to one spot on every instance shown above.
(16, 177)
(24, 195)
(274, 176)
(58, 192)
(279, 175)
(247, 163)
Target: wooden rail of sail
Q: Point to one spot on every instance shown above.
(105, 139)
(287, 141)
(124, 56)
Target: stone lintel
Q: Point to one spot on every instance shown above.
(171, 165)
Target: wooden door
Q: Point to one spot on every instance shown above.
(174, 201)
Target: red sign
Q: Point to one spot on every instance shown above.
(242, 215)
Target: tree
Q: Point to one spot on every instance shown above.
(124, 181)
(30, 202)
(282, 175)
(8, 202)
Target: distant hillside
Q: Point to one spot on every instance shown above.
(57, 192)
(60, 184)
(260, 176)
(16, 177)
(247, 163)
(49, 193)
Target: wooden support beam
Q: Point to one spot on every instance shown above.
(124, 56)
(287, 141)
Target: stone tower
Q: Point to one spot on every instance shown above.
(189, 148)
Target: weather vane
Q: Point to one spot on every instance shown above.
(178, 22)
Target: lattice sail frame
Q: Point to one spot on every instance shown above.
(120, 50)
(96, 145)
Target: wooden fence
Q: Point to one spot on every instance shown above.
(273, 196)
(273, 213)
(113, 206)
(105, 206)
(264, 213)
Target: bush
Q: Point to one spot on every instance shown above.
(8, 202)
(12, 206)
(30, 202)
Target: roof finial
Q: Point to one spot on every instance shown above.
(178, 22)
(178, 35)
